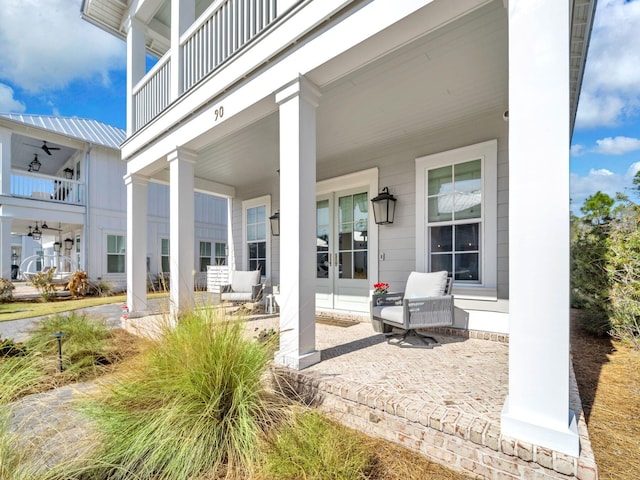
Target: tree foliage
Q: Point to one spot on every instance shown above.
(605, 264)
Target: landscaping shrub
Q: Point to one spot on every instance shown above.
(6, 290)
(196, 405)
(314, 448)
(43, 281)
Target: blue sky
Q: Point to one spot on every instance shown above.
(54, 63)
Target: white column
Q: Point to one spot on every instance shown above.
(181, 230)
(5, 247)
(5, 162)
(136, 66)
(537, 409)
(183, 14)
(298, 102)
(136, 242)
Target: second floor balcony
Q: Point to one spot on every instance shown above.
(223, 31)
(47, 188)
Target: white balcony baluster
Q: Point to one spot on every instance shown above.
(46, 187)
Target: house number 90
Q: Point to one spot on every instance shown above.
(218, 113)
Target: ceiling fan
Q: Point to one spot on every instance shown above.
(44, 147)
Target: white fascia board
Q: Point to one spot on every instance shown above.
(353, 30)
(26, 208)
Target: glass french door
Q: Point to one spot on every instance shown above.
(342, 251)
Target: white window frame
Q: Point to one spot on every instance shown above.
(487, 152)
(265, 201)
(107, 253)
(200, 257)
(215, 257)
(161, 255)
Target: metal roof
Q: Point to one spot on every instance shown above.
(91, 131)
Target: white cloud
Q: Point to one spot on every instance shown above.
(577, 150)
(617, 146)
(46, 45)
(602, 180)
(611, 87)
(7, 102)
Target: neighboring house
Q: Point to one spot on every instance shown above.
(66, 175)
(463, 109)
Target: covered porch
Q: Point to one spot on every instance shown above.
(388, 95)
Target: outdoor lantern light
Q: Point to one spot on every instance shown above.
(36, 234)
(68, 173)
(384, 207)
(68, 243)
(59, 335)
(35, 165)
(275, 224)
(56, 247)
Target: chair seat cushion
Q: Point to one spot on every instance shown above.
(389, 313)
(236, 296)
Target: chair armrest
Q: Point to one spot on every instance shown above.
(225, 288)
(429, 311)
(387, 299)
(256, 291)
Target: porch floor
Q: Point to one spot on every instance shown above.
(444, 401)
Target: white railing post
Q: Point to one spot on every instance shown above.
(135, 68)
(183, 14)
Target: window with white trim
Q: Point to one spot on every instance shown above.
(256, 222)
(456, 214)
(115, 254)
(256, 236)
(220, 253)
(219, 256)
(164, 255)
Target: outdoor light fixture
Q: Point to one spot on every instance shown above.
(35, 165)
(68, 173)
(36, 234)
(68, 243)
(56, 247)
(275, 224)
(384, 207)
(59, 336)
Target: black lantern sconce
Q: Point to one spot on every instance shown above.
(56, 247)
(68, 243)
(36, 234)
(35, 165)
(275, 224)
(384, 207)
(68, 173)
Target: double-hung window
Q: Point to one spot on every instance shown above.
(220, 253)
(164, 255)
(255, 232)
(205, 255)
(115, 254)
(456, 214)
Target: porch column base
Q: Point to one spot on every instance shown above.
(297, 361)
(566, 441)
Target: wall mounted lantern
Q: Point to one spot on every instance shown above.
(68, 173)
(36, 234)
(275, 224)
(384, 207)
(68, 243)
(56, 247)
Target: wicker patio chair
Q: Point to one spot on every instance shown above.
(426, 302)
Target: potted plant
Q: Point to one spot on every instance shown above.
(380, 288)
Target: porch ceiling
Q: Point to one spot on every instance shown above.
(458, 72)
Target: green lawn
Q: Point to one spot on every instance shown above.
(18, 310)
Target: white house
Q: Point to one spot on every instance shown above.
(463, 109)
(62, 188)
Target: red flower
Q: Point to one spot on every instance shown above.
(380, 288)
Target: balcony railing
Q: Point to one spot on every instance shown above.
(46, 187)
(226, 27)
(153, 94)
(221, 31)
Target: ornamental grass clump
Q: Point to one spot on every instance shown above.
(314, 448)
(196, 406)
(85, 344)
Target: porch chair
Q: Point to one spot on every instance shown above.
(426, 302)
(245, 286)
